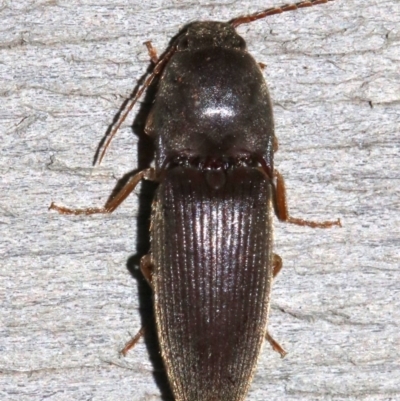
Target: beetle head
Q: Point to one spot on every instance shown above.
(209, 34)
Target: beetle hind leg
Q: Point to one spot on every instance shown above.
(146, 266)
(276, 268)
(275, 345)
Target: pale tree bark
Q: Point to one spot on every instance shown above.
(68, 299)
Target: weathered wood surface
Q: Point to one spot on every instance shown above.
(68, 299)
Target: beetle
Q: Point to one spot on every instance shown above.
(211, 264)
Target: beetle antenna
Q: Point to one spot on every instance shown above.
(131, 102)
(275, 10)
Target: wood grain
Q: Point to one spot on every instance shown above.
(68, 299)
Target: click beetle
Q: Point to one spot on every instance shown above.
(211, 263)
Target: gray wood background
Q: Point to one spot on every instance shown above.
(70, 292)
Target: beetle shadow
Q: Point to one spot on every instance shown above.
(146, 195)
(145, 150)
(145, 295)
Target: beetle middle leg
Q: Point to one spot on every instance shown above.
(112, 204)
(282, 210)
(277, 265)
(146, 266)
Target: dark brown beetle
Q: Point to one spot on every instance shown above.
(211, 264)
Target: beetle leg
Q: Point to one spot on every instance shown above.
(152, 52)
(133, 341)
(261, 65)
(277, 265)
(276, 268)
(282, 210)
(275, 144)
(275, 345)
(146, 266)
(112, 204)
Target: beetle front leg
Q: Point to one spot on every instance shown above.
(282, 211)
(112, 204)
